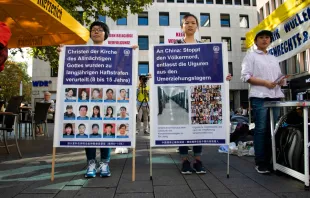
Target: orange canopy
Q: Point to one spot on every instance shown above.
(40, 23)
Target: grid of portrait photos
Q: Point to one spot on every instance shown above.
(96, 113)
(206, 104)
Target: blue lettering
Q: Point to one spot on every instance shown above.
(278, 50)
(287, 27)
(282, 48)
(35, 83)
(304, 14)
(306, 35)
(299, 19)
(299, 39)
(295, 44)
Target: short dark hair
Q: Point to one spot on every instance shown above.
(189, 15)
(122, 107)
(109, 90)
(83, 106)
(69, 125)
(104, 26)
(69, 107)
(122, 125)
(82, 125)
(121, 90)
(108, 125)
(95, 125)
(96, 89)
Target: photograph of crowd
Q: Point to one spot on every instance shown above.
(206, 104)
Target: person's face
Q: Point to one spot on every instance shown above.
(70, 93)
(123, 112)
(96, 111)
(109, 110)
(84, 94)
(189, 26)
(83, 111)
(108, 129)
(82, 130)
(109, 94)
(69, 111)
(122, 130)
(47, 97)
(95, 129)
(123, 93)
(262, 42)
(68, 130)
(95, 94)
(97, 35)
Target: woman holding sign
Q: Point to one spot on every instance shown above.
(189, 26)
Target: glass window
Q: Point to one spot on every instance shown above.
(164, 18)
(190, 1)
(219, 1)
(267, 9)
(206, 39)
(205, 20)
(244, 21)
(305, 60)
(273, 5)
(209, 1)
(225, 20)
(243, 46)
(182, 15)
(160, 1)
(237, 2)
(254, 3)
(228, 41)
(261, 14)
(230, 68)
(170, 1)
(54, 72)
(143, 68)
(180, 1)
(121, 21)
(102, 18)
(246, 2)
(199, 1)
(143, 18)
(143, 42)
(228, 2)
(161, 39)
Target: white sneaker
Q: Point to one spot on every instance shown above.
(124, 150)
(118, 150)
(104, 169)
(91, 169)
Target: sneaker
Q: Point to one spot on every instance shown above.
(124, 150)
(104, 169)
(91, 169)
(188, 148)
(199, 168)
(262, 169)
(118, 150)
(186, 168)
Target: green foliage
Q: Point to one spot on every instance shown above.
(114, 9)
(11, 76)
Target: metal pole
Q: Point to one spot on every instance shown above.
(306, 156)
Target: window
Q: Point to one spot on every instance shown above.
(280, 2)
(160, 1)
(206, 39)
(305, 60)
(180, 1)
(261, 14)
(228, 2)
(273, 5)
(244, 21)
(170, 1)
(228, 41)
(54, 72)
(190, 1)
(209, 1)
(254, 3)
(121, 21)
(237, 2)
(205, 19)
(295, 65)
(219, 1)
(102, 18)
(283, 67)
(164, 18)
(143, 68)
(143, 18)
(246, 2)
(230, 68)
(267, 9)
(199, 1)
(243, 46)
(225, 20)
(182, 15)
(161, 39)
(143, 42)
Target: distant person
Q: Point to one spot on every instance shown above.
(50, 112)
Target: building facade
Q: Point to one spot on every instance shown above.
(219, 20)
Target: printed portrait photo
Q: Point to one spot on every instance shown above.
(95, 131)
(81, 131)
(173, 105)
(122, 130)
(109, 130)
(83, 94)
(83, 110)
(96, 113)
(123, 95)
(122, 113)
(96, 95)
(109, 112)
(69, 112)
(110, 95)
(68, 130)
(70, 95)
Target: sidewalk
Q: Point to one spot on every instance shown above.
(30, 176)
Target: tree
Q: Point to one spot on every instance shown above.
(11, 76)
(114, 9)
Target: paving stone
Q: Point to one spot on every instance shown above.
(96, 192)
(135, 195)
(240, 183)
(305, 194)
(168, 177)
(68, 192)
(203, 194)
(46, 186)
(253, 192)
(173, 191)
(197, 185)
(35, 195)
(230, 195)
(216, 186)
(12, 190)
(104, 182)
(140, 176)
(135, 187)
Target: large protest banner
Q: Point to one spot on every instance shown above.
(190, 95)
(95, 97)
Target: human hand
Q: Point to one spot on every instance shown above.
(59, 48)
(229, 77)
(269, 84)
(282, 82)
(149, 75)
(135, 47)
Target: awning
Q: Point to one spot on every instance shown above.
(290, 24)
(40, 23)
